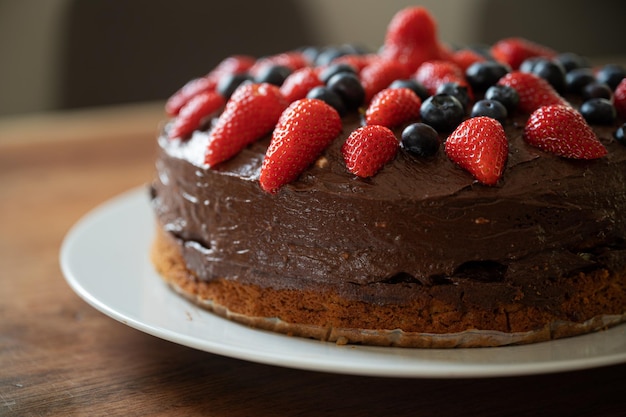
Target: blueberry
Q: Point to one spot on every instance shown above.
(611, 74)
(443, 112)
(331, 53)
(570, 61)
(273, 74)
(504, 94)
(459, 92)
(228, 83)
(482, 75)
(329, 97)
(597, 90)
(490, 108)
(620, 134)
(349, 88)
(414, 85)
(577, 79)
(333, 69)
(551, 71)
(598, 111)
(420, 139)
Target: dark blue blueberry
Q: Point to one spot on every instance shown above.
(490, 108)
(328, 55)
(504, 94)
(620, 134)
(273, 74)
(333, 69)
(482, 75)
(570, 61)
(329, 97)
(443, 112)
(311, 53)
(458, 91)
(597, 90)
(420, 139)
(228, 83)
(611, 74)
(551, 71)
(598, 111)
(577, 79)
(414, 85)
(349, 88)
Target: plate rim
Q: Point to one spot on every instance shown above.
(139, 195)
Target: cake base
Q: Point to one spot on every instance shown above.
(329, 317)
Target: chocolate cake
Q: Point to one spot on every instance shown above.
(423, 253)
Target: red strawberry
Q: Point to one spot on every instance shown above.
(466, 57)
(251, 112)
(193, 113)
(563, 131)
(479, 146)
(379, 74)
(432, 74)
(232, 65)
(619, 98)
(514, 51)
(411, 38)
(368, 149)
(533, 91)
(304, 130)
(299, 83)
(392, 107)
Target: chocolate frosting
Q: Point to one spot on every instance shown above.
(418, 222)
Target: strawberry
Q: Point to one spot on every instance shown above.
(619, 98)
(368, 149)
(479, 146)
(514, 51)
(463, 58)
(232, 65)
(379, 74)
(411, 38)
(432, 74)
(299, 83)
(303, 131)
(251, 112)
(194, 112)
(563, 131)
(533, 91)
(392, 107)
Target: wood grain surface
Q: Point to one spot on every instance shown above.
(60, 357)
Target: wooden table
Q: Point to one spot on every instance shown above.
(59, 356)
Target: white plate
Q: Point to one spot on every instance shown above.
(105, 260)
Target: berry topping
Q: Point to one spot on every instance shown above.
(417, 88)
(482, 75)
(598, 111)
(272, 74)
(504, 94)
(194, 112)
(577, 79)
(514, 51)
(597, 90)
(229, 83)
(432, 74)
(563, 131)
(349, 88)
(465, 58)
(250, 113)
(368, 149)
(329, 97)
(293, 60)
(411, 38)
(490, 108)
(460, 92)
(333, 69)
(570, 61)
(392, 107)
(549, 70)
(298, 84)
(303, 131)
(619, 98)
(533, 91)
(442, 111)
(420, 139)
(611, 74)
(379, 74)
(479, 146)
